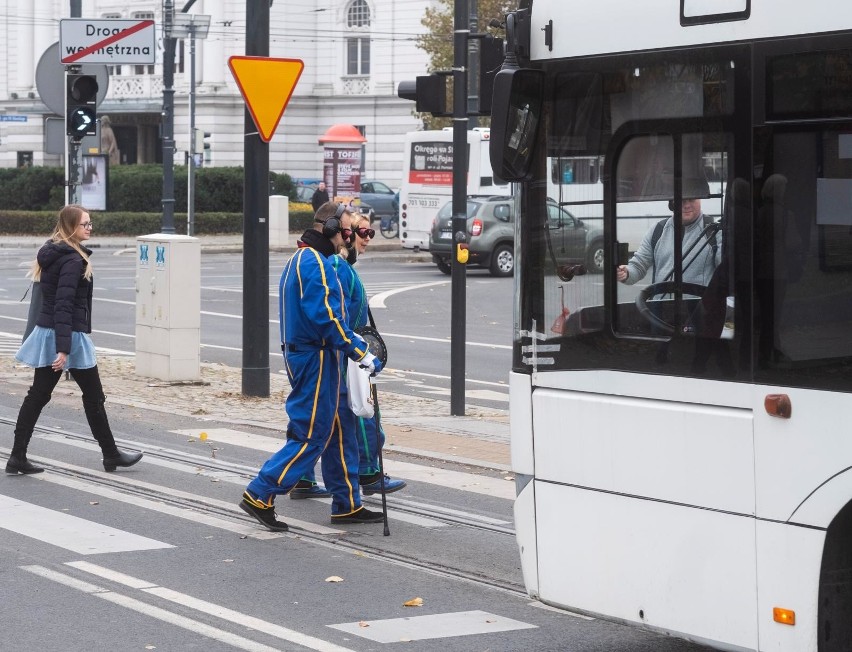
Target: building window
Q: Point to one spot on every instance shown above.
(358, 14)
(358, 56)
(145, 69)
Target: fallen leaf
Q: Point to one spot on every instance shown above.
(203, 436)
(509, 477)
(363, 623)
(334, 578)
(94, 502)
(414, 602)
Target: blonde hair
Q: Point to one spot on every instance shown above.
(66, 231)
(361, 217)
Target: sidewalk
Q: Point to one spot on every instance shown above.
(413, 425)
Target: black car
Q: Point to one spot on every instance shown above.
(491, 235)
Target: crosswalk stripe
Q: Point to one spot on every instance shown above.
(70, 532)
(210, 608)
(431, 626)
(150, 610)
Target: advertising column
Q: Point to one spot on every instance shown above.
(342, 159)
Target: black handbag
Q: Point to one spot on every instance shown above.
(371, 336)
(35, 307)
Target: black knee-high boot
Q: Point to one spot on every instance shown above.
(97, 417)
(34, 402)
(98, 422)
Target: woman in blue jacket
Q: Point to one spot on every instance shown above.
(60, 340)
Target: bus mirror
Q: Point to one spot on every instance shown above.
(515, 118)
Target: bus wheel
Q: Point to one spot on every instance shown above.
(445, 266)
(595, 257)
(502, 261)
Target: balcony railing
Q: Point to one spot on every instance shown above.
(356, 85)
(135, 86)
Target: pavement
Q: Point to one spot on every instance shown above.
(414, 426)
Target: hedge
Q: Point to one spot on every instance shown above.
(135, 223)
(136, 188)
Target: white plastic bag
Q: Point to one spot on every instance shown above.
(360, 392)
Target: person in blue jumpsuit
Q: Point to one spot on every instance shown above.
(370, 437)
(315, 339)
(358, 431)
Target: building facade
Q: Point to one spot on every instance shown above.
(355, 53)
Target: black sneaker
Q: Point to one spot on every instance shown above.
(266, 517)
(362, 515)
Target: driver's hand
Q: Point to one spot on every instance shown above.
(621, 273)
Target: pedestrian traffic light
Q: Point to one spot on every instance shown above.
(430, 93)
(81, 94)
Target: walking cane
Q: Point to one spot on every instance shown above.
(381, 462)
(378, 348)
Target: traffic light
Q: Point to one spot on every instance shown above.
(430, 93)
(81, 94)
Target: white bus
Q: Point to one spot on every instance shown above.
(427, 180)
(683, 464)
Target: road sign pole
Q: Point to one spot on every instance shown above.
(190, 164)
(458, 285)
(168, 201)
(255, 376)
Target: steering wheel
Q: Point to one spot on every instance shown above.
(666, 287)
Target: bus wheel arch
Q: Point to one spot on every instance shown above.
(834, 619)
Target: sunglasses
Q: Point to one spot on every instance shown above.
(364, 232)
(346, 233)
(86, 225)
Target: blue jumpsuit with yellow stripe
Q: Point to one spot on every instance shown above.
(317, 338)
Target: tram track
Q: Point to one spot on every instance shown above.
(214, 508)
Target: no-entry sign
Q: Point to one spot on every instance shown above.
(106, 41)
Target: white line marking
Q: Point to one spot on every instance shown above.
(446, 340)
(453, 479)
(69, 532)
(378, 301)
(152, 611)
(210, 608)
(253, 530)
(419, 628)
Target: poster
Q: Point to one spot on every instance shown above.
(93, 191)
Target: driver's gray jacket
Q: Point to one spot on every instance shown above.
(698, 265)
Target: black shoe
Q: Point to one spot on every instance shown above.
(121, 459)
(20, 464)
(362, 515)
(266, 517)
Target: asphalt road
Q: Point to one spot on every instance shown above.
(410, 302)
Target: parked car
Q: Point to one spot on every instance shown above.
(491, 235)
(379, 197)
(305, 193)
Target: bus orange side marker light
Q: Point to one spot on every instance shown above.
(784, 616)
(778, 405)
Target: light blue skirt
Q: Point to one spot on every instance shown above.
(39, 350)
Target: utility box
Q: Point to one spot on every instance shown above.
(168, 307)
(279, 221)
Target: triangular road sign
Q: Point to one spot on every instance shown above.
(266, 85)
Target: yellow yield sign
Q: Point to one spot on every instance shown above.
(266, 85)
